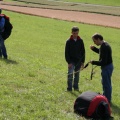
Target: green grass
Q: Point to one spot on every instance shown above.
(101, 2)
(71, 6)
(33, 80)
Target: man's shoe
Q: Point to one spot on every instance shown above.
(76, 90)
(69, 90)
(5, 57)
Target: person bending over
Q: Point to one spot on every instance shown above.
(105, 61)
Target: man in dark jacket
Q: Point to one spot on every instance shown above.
(105, 61)
(75, 57)
(3, 51)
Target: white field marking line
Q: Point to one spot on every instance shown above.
(86, 4)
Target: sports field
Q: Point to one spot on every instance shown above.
(98, 2)
(73, 5)
(33, 80)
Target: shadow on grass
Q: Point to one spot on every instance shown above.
(115, 109)
(76, 93)
(8, 61)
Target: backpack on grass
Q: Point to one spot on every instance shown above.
(7, 27)
(92, 105)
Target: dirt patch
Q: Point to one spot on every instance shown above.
(82, 17)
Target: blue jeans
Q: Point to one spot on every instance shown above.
(2, 48)
(106, 81)
(70, 82)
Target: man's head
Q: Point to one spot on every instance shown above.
(75, 31)
(97, 39)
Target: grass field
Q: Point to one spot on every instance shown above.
(72, 6)
(33, 80)
(101, 2)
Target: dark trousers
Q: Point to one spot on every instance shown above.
(3, 51)
(73, 78)
(106, 81)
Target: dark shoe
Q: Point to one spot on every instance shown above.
(76, 90)
(5, 57)
(69, 90)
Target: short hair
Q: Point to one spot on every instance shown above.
(75, 29)
(97, 36)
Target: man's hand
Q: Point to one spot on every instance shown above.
(82, 65)
(92, 47)
(70, 65)
(91, 61)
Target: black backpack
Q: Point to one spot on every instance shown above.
(92, 105)
(7, 27)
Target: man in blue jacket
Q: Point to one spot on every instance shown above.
(75, 57)
(2, 45)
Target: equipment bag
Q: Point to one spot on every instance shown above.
(92, 105)
(7, 27)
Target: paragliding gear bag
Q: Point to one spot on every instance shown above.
(92, 105)
(7, 27)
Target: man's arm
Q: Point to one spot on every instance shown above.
(2, 23)
(104, 57)
(67, 57)
(93, 48)
(83, 52)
